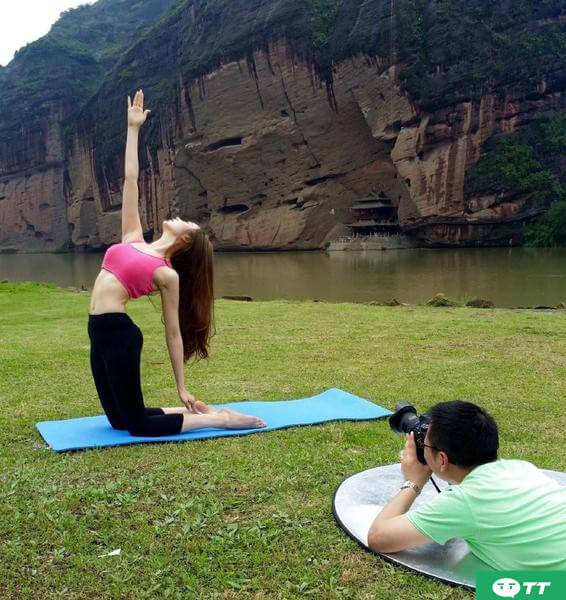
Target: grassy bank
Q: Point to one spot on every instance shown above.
(245, 517)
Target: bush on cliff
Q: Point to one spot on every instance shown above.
(324, 13)
(550, 229)
(508, 167)
(528, 162)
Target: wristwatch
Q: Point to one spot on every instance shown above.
(410, 484)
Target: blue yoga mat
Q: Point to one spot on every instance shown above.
(331, 405)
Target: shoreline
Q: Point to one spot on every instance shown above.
(438, 301)
(349, 246)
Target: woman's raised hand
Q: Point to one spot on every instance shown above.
(136, 114)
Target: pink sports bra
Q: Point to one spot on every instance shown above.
(133, 267)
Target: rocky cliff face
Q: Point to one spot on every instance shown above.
(270, 122)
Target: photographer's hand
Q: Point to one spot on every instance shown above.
(391, 530)
(412, 469)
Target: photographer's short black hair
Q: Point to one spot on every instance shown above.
(466, 432)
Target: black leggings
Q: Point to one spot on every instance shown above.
(115, 350)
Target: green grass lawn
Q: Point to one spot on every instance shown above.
(245, 517)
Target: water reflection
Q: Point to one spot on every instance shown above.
(65, 270)
(509, 277)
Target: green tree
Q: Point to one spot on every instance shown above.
(550, 229)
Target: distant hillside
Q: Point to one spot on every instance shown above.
(66, 66)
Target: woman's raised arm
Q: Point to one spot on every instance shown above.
(131, 223)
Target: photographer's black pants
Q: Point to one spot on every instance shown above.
(115, 351)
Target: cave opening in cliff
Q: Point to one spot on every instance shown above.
(234, 208)
(226, 142)
(317, 180)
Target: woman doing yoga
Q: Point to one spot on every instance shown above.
(179, 266)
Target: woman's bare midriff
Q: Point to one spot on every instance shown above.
(108, 294)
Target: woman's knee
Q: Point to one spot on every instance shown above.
(118, 426)
(145, 426)
(139, 428)
(156, 425)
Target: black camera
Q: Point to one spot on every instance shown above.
(405, 420)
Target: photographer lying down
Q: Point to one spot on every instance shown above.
(512, 515)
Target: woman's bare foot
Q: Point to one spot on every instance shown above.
(236, 420)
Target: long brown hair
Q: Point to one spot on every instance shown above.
(196, 295)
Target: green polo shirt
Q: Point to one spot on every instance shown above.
(512, 516)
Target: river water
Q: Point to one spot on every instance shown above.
(510, 277)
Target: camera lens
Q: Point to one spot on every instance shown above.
(405, 419)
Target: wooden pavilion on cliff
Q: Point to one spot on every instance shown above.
(375, 215)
